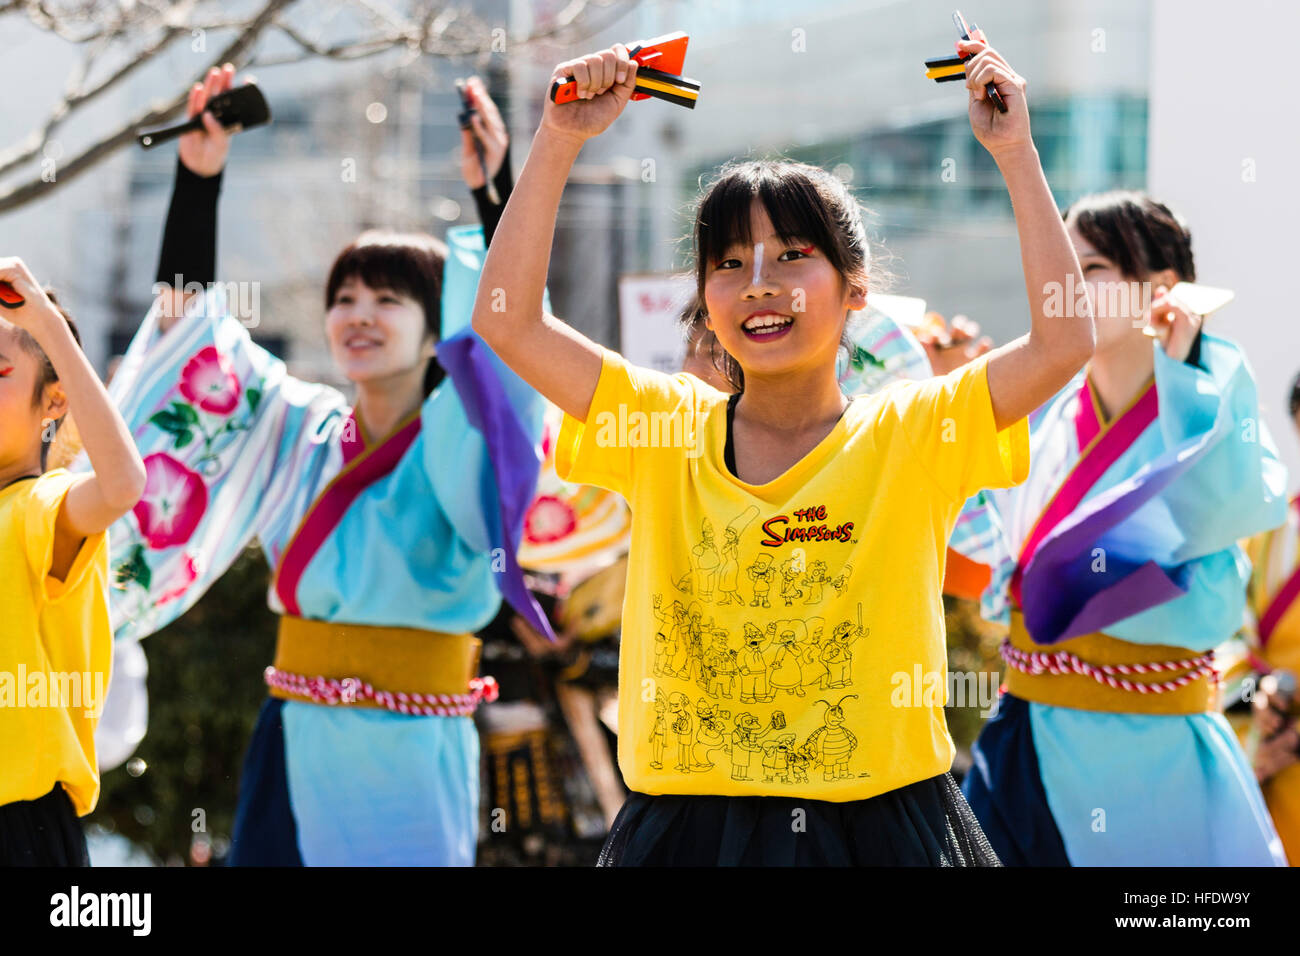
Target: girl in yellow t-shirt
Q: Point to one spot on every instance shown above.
(782, 667)
(55, 639)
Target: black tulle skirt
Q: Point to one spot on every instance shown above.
(42, 832)
(927, 823)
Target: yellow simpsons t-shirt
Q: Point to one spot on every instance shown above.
(56, 649)
(774, 635)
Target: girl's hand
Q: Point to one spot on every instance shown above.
(1269, 716)
(490, 130)
(204, 152)
(1174, 324)
(999, 132)
(536, 643)
(37, 308)
(1276, 753)
(951, 349)
(98, 499)
(605, 83)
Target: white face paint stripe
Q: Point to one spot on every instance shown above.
(758, 262)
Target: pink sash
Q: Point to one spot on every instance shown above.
(1281, 602)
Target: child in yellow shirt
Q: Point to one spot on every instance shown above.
(783, 676)
(55, 639)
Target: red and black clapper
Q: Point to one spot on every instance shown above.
(658, 73)
(946, 69)
(9, 297)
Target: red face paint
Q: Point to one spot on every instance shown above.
(6, 372)
(808, 250)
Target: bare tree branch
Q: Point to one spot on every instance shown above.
(429, 38)
(77, 96)
(236, 52)
(433, 28)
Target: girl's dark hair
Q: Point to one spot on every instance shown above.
(1135, 232)
(1295, 396)
(46, 374)
(804, 202)
(410, 264)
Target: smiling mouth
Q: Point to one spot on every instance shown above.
(761, 328)
(359, 343)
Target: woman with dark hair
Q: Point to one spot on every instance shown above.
(1116, 564)
(390, 522)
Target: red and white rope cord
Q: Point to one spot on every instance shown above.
(1063, 662)
(350, 690)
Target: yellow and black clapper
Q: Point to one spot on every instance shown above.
(945, 69)
(662, 80)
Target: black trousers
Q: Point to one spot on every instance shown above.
(42, 832)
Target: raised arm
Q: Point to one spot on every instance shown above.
(488, 129)
(1027, 372)
(557, 360)
(189, 246)
(100, 498)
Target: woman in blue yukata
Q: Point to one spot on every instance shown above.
(391, 524)
(1116, 565)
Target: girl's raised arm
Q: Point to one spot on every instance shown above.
(557, 360)
(1027, 372)
(100, 498)
(189, 247)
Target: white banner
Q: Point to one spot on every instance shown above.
(650, 309)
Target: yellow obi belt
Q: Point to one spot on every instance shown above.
(1103, 673)
(405, 670)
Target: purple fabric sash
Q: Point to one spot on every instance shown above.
(1095, 458)
(1066, 595)
(515, 462)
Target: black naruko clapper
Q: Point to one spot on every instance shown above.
(241, 108)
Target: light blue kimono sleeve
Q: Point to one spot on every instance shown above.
(1166, 534)
(1238, 487)
(1200, 619)
(456, 454)
(228, 439)
(458, 468)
